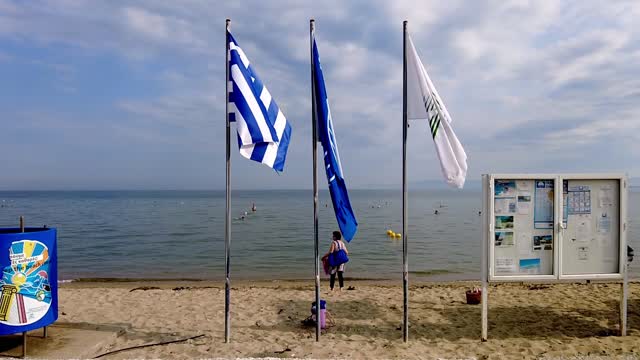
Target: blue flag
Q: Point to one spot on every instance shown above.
(337, 187)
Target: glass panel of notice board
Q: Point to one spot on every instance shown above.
(523, 234)
(591, 240)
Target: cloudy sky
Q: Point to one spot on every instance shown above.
(130, 94)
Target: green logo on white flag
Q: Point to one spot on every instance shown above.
(433, 110)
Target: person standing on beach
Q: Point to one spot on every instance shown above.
(336, 244)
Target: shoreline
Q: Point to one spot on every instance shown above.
(219, 284)
(298, 283)
(429, 275)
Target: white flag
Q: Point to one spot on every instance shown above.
(424, 103)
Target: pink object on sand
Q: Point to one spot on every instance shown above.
(323, 318)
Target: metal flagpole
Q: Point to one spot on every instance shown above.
(227, 224)
(405, 264)
(314, 141)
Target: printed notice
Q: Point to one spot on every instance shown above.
(604, 224)
(505, 188)
(504, 222)
(606, 196)
(542, 242)
(579, 200)
(543, 208)
(26, 292)
(583, 253)
(530, 266)
(506, 265)
(505, 205)
(524, 203)
(523, 185)
(503, 238)
(583, 229)
(524, 244)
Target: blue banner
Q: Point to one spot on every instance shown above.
(29, 284)
(337, 187)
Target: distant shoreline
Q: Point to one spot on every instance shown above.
(435, 185)
(474, 188)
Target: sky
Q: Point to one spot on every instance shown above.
(131, 94)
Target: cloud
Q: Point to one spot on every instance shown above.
(152, 25)
(558, 77)
(581, 57)
(163, 29)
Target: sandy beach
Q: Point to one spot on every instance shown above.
(525, 320)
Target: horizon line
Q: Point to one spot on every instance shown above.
(222, 189)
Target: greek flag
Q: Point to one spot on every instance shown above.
(337, 187)
(423, 102)
(263, 131)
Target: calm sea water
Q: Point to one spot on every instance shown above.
(180, 234)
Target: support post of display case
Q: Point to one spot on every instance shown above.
(623, 300)
(626, 257)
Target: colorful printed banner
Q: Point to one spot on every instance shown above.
(29, 283)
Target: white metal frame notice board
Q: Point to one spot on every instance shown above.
(553, 227)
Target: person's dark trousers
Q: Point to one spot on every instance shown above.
(332, 281)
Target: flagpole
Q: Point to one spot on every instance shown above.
(405, 264)
(227, 224)
(314, 140)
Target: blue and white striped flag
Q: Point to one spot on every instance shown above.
(337, 187)
(263, 131)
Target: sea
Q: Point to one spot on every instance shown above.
(180, 234)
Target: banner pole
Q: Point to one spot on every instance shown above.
(24, 333)
(227, 224)
(314, 146)
(405, 264)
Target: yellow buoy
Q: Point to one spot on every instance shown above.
(389, 232)
(398, 235)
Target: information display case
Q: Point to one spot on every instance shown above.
(554, 227)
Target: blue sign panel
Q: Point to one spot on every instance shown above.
(29, 284)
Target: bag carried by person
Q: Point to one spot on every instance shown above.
(339, 256)
(325, 265)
